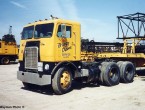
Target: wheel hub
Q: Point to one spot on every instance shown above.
(65, 79)
(5, 60)
(112, 73)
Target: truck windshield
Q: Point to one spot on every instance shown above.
(44, 30)
(28, 32)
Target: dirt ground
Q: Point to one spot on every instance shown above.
(83, 97)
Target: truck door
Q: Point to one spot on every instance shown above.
(66, 48)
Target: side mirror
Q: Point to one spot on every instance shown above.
(35, 34)
(63, 30)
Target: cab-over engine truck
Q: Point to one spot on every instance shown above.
(52, 53)
(8, 52)
(8, 48)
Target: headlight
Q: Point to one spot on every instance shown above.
(46, 67)
(40, 66)
(79, 67)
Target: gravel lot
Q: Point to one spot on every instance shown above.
(83, 97)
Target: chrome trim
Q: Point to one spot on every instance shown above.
(33, 78)
(31, 58)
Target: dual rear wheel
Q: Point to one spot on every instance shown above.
(112, 73)
(127, 71)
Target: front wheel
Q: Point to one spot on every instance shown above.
(62, 81)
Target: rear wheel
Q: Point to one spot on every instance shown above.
(111, 74)
(119, 63)
(102, 68)
(62, 81)
(5, 60)
(127, 71)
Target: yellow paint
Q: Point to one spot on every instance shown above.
(56, 49)
(65, 79)
(8, 48)
(126, 53)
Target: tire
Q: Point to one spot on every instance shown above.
(5, 60)
(127, 72)
(111, 74)
(62, 81)
(119, 63)
(102, 68)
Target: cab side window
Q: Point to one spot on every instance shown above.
(0, 45)
(68, 31)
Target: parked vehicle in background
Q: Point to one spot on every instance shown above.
(8, 48)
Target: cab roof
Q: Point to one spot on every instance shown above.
(52, 21)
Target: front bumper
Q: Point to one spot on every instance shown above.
(33, 78)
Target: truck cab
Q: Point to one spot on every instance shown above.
(51, 44)
(45, 46)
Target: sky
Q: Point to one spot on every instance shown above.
(97, 17)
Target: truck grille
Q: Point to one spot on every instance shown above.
(31, 57)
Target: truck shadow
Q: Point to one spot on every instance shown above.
(141, 74)
(11, 63)
(46, 90)
(78, 86)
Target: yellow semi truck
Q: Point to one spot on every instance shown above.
(8, 49)
(52, 53)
